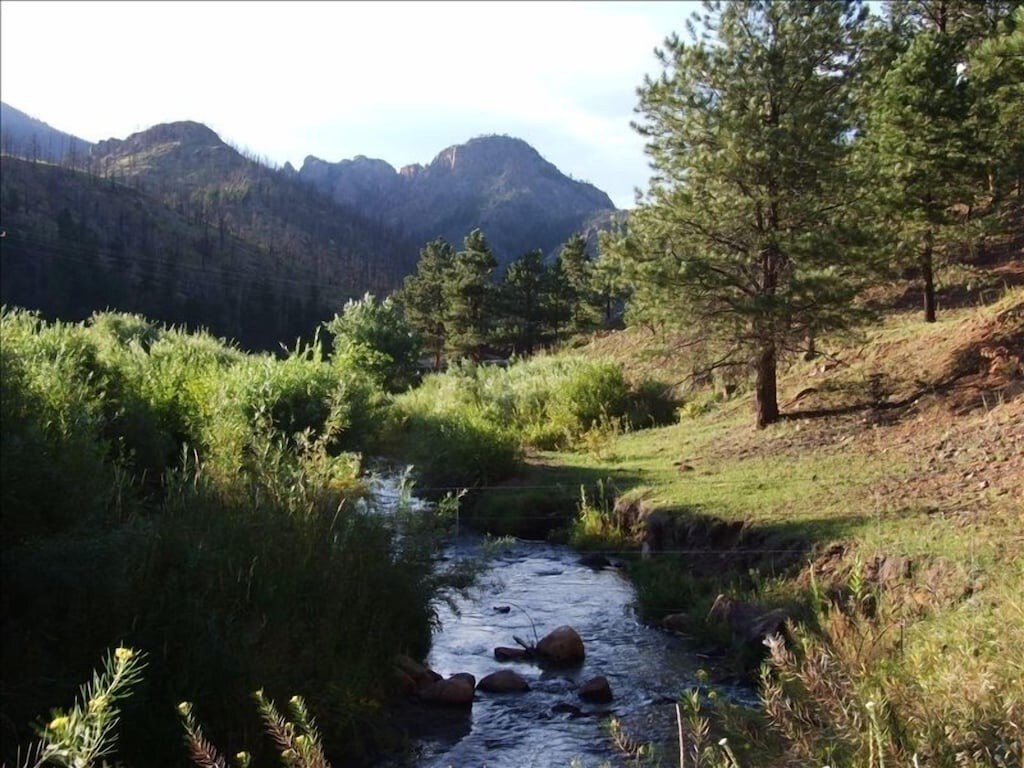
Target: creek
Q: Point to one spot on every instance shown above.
(544, 586)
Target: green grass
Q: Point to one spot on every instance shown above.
(934, 479)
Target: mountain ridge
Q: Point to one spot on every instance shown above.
(27, 136)
(295, 244)
(486, 182)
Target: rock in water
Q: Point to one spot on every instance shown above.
(561, 646)
(408, 670)
(456, 691)
(503, 681)
(595, 560)
(502, 653)
(597, 689)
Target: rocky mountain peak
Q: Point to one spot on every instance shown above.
(185, 133)
(487, 154)
(497, 183)
(186, 153)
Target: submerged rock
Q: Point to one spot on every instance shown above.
(597, 689)
(571, 709)
(502, 653)
(595, 560)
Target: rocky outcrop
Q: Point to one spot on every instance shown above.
(362, 183)
(561, 646)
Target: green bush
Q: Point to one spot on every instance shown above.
(164, 489)
(53, 470)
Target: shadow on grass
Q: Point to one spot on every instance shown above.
(893, 407)
(542, 500)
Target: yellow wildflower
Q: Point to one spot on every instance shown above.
(99, 703)
(123, 655)
(59, 723)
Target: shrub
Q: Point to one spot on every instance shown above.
(245, 552)
(52, 411)
(376, 338)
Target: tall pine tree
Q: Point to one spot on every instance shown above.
(469, 298)
(523, 301)
(744, 226)
(926, 154)
(423, 297)
(579, 273)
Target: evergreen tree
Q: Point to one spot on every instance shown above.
(743, 227)
(423, 296)
(524, 300)
(579, 273)
(469, 298)
(558, 296)
(927, 156)
(995, 76)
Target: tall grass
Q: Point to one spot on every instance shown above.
(162, 489)
(468, 423)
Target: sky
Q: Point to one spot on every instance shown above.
(392, 80)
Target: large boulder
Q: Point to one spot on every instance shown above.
(456, 691)
(503, 681)
(561, 646)
(597, 689)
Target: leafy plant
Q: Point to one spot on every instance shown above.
(81, 736)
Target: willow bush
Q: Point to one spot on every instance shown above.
(165, 491)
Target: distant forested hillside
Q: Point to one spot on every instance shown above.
(176, 224)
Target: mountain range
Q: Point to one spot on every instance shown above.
(175, 223)
(497, 183)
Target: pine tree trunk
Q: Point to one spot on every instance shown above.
(928, 273)
(765, 390)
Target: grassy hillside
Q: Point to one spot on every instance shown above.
(884, 514)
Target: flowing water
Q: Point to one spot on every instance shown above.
(545, 586)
